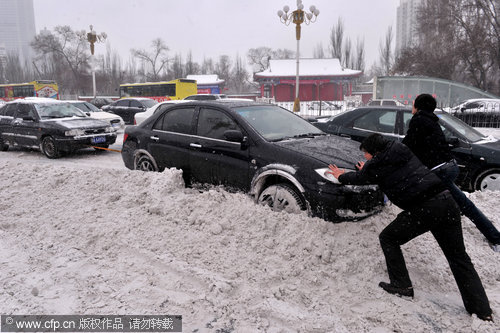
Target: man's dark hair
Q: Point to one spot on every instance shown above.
(373, 144)
(425, 102)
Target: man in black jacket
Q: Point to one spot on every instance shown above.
(426, 139)
(427, 206)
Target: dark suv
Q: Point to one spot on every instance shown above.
(51, 126)
(128, 107)
(262, 149)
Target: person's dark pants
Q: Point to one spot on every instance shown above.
(448, 173)
(441, 216)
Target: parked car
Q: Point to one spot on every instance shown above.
(141, 116)
(52, 126)
(261, 149)
(325, 105)
(385, 102)
(478, 156)
(483, 112)
(94, 112)
(205, 97)
(128, 107)
(101, 101)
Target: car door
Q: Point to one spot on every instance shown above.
(382, 121)
(25, 126)
(135, 107)
(170, 139)
(6, 119)
(214, 159)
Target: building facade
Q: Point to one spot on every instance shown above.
(406, 23)
(208, 84)
(17, 28)
(319, 79)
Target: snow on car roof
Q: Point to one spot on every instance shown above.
(33, 100)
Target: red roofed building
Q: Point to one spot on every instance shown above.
(319, 79)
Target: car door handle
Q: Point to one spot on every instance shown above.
(194, 145)
(154, 138)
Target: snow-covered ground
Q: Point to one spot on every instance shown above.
(84, 235)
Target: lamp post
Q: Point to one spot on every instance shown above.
(298, 17)
(93, 38)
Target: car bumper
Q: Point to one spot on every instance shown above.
(338, 203)
(77, 142)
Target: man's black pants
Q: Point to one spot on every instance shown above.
(441, 216)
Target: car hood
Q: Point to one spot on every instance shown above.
(328, 149)
(489, 149)
(77, 122)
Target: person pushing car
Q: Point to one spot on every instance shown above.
(427, 206)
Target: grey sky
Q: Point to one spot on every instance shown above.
(213, 28)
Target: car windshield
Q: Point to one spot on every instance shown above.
(275, 123)
(458, 126)
(149, 103)
(57, 110)
(87, 107)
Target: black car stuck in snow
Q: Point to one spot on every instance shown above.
(51, 126)
(261, 149)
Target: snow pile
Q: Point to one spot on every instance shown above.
(126, 242)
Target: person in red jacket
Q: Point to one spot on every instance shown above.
(427, 206)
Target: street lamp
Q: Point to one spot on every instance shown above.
(92, 37)
(298, 17)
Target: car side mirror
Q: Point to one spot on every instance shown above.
(234, 136)
(87, 113)
(453, 142)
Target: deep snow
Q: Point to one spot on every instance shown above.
(85, 235)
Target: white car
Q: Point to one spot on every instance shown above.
(141, 116)
(94, 112)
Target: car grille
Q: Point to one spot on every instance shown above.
(94, 131)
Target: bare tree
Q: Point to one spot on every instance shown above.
(239, 76)
(385, 49)
(348, 57)
(207, 67)
(223, 68)
(156, 59)
(337, 40)
(259, 58)
(69, 48)
(319, 52)
(359, 60)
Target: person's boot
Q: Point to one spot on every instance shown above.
(396, 290)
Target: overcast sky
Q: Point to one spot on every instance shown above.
(212, 28)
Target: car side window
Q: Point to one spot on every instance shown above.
(122, 103)
(9, 110)
(406, 118)
(377, 120)
(24, 110)
(135, 104)
(213, 123)
(177, 120)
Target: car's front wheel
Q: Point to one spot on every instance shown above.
(282, 197)
(145, 163)
(3, 145)
(488, 180)
(49, 147)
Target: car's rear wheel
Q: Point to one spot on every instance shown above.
(145, 163)
(488, 180)
(282, 197)
(49, 147)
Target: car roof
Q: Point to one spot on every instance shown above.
(35, 100)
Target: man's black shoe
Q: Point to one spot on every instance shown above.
(396, 290)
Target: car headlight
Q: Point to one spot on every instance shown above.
(74, 132)
(328, 176)
(110, 129)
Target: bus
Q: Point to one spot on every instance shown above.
(38, 88)
(160, 91)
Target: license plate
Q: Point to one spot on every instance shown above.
(98, 139)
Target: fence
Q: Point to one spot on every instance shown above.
(479, 113)
(313, 108)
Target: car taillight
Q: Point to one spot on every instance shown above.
(135, 122)
(125, 136)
